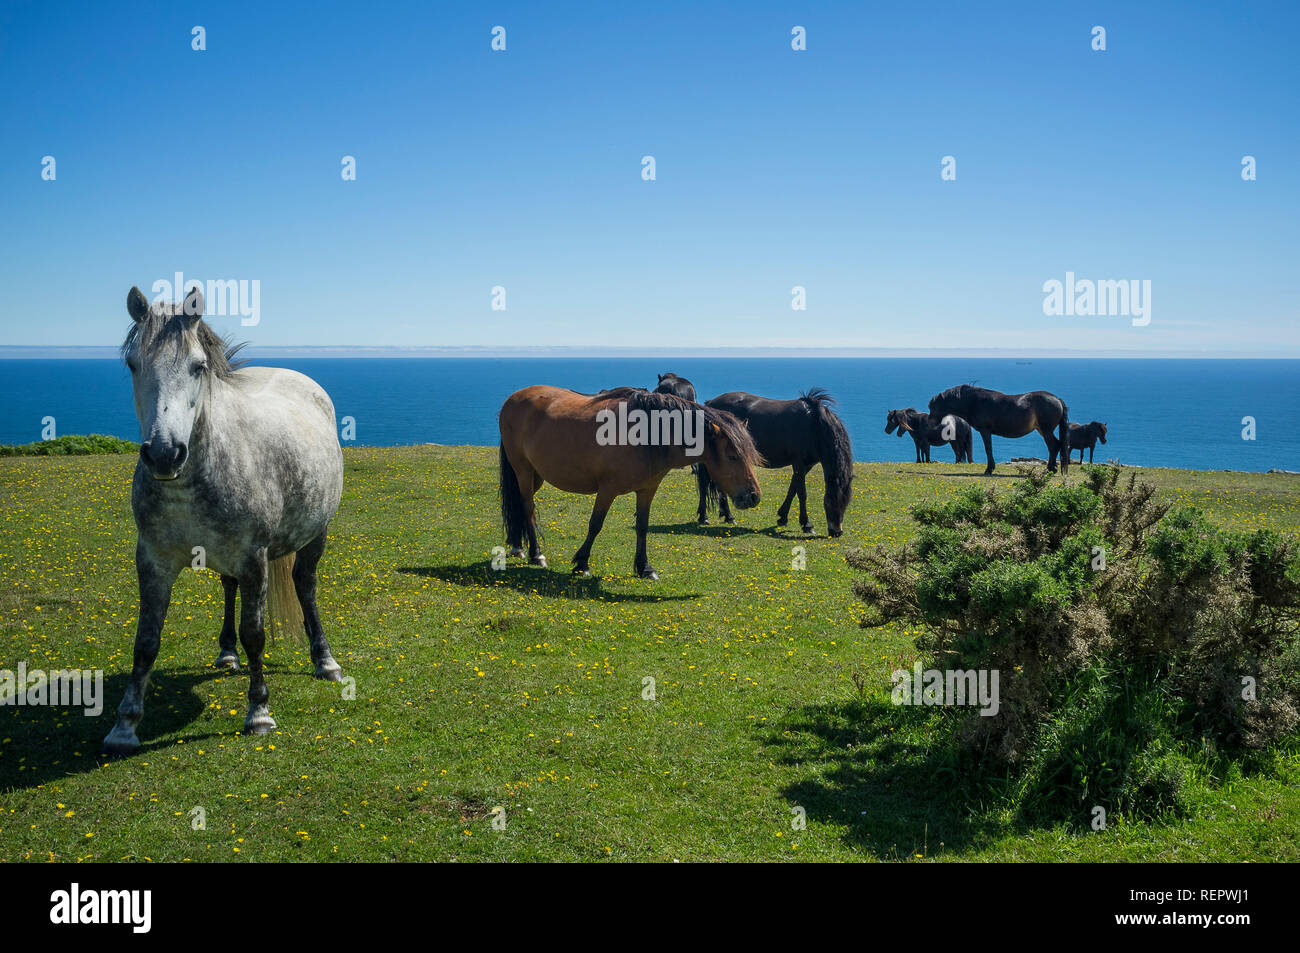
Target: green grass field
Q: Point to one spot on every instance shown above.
(523, 689)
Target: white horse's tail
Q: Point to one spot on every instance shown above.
(283, 611)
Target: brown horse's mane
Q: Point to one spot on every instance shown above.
(728, 426)
(159, 322)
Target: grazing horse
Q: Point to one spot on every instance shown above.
(1009, 415)
(239, 466)
(927, 432)
(1086, 435)
(672, 384)
(619, 441)
(792, 433)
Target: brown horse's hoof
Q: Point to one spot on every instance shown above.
(782, 520)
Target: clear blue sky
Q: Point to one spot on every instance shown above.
(775, 168)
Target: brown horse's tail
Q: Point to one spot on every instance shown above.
(283, 611)
(1064, 432)
(513, 513)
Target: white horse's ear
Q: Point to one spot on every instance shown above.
(137, 305)
(193, 306)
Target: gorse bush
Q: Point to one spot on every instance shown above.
(70, 445)
(1129, 638)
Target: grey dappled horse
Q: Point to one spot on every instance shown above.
(240, 464)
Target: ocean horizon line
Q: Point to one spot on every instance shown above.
(271, 351)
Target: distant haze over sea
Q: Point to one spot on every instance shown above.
(10, 352)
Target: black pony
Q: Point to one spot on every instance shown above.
(672, 384)
(792, 433)
(1086, 435)
(928, 432)
(1009, 415)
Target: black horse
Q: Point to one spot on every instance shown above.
(792, 433)
(1009, 415)
(679, 386)
(928, 432)
(1086, 435)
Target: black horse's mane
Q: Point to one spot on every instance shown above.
(727, 424)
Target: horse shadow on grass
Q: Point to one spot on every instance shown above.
(725, 531)
(693, 528)
(864, 770)
(544, 582)
(972, 475)
(42, 744)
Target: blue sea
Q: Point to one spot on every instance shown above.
(1167, 413)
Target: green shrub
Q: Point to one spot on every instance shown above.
(1110, 678)
(70, 445)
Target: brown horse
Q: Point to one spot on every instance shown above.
(619, 441)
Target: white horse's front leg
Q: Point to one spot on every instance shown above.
(155, 593)
(252, 633)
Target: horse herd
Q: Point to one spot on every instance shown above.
(243, 465)
(928, 430)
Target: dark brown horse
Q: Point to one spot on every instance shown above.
(619, 441)
(792, 433)
(1086, 436)
(927, 432)
(1009, 415)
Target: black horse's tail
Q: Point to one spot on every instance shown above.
(1063, 431)
(833, 448)
(513, 513)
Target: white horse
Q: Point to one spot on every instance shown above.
(239, 464)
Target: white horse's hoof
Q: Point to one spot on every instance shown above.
(229, 662)
(258, 723)
(329, 670)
